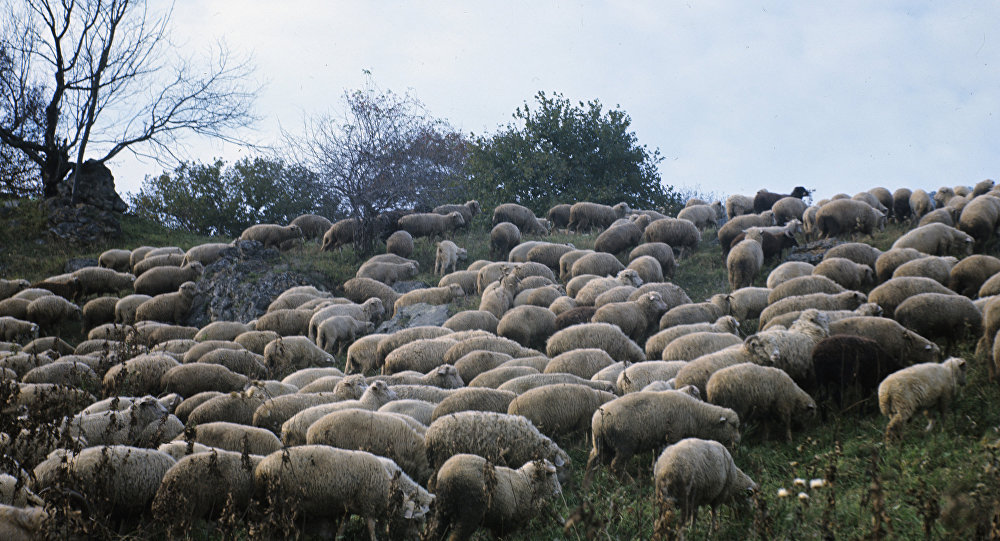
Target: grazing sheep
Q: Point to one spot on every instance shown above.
(660, 251)
(115, 259)
(617, 239)
(695, 472)
(788, 271)
(476, 362)
(762, 393)
(648, 268)
(548, 253)
(989, 288)
(559, 215)
(604, 336)
(943, 316)
(850, 364)
(126, 307)
(203, 483)
(889, 261)
(503, 237)
(789, 208)
(982, 187)
(18, 308)
(846, 273)
(791, 349)
(598, 263)
(635, 318)
(644, 421)
(637, 376)
(336, 332)
(387, 273)
(340, 233)
(500, 375)
(919, 387)
(468, 210)
(499, 296)
(739, 224)
(941, 215)
(165, 260)
(655, 344)
(139, 375)
(399, 243)
(161, 280)
(585, 216)
(473, 491)
(681, 235)
(702, 216)
(221, 330)
(448, 254)
(96, 312)
(582, 363)
(292, 353)
(473, 399)
(521, 217)
(696, 373)
(847, 300)
(744, 262)
(858, 252)
(100, 280)
(191, 379)
(586, 290)
(920, 204)
(933, 267)
(773, 244)
(206, 254)
(167, 307)
(737, 205)
(968, 275)
(528, 325)
(51, 311)
(359, 290)
(979, 218)
(236, 437)
(271, 235)
(765, 200)
(525, 382)
(326, 482)
(33, 293)
(893, 292)
(845, 216)
(899, 342)
(936, 239)
(901, 204)
(567, 260)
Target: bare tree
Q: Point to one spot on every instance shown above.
(382, 153)
(105, 77)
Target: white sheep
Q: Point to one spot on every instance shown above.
(448, 254)
(919, 387)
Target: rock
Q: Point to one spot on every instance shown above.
(406, 287)
(241, 284)
(812, 252)
(96, 188)
(95, 215)
(79, 263)
(415, 315)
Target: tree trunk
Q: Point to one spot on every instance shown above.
(53, 172)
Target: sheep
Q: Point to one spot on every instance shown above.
(787, 271)
(920, 204)
(322, 481)
(968, 275)
(567, 260)
(737, 205)
(848, 216)
(448, 254)
(648, 268)
(32, 294)
(933, 267)
(499, 297)
(165, 260)
(643, 421)
(696, 373)
(468, 210)
(521, 383)
(161, 280)
(167, 307)
(547, 253)
(791, 349)
(528, 325)
(399, 338)
(979, 218)
(126, 307)
(369, 311)
(420, 411)
(760, 392)
(486, 342)
(271, 235)
(340, 233)
(788, 318)
(195, 352)
(538, 296)
(901, 204)
(846, 273)
(919, 387)
(221, 330)
(69, 373)
(96, 312)
(634, 318)
(637, 376)
(359, 290)
(503, 237)
(336, 332)
(154, 332)
(693, 345)
(204, 483)
(887, 262)
(847, 300)
(702, 216)
(809, 228)
(765, 200)
(871, 200)
(659, 251)
(962, 190)
(498, 437)
(294, 353)
(598, 263)
(858, 252)
(744, 262)
(681, 235)
(387, 273)
(444, 376)
(604, 336)
(893, 292)
(191, 379)
(583, 363)
(587, 287)
(936, 239)
(18, 308)
(702, 312)
(585, 216)
(139, 375)
(937, 315)
(989, 288)
(420, 355)
(383, 434)
(63, 285)
(617, 239)
(940, 215)
(51, 311)
(655, 344)
(844, 363)
(99, 280)
(748, 302)
(737, 225)
(236, 437)
(559, 215)
(429, 295)
(982, 187)
(127, 427)
(206, 254)
(115, 259)
(521, 217)
(472, 491)
(893, 337)
(695, 472)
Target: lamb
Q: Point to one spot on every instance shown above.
(604, 336)
(51, 311)
(336, 332)
(448, 254)
(936, 239)
(892, 293)
(935, 268)
(191, 379)
(520, 216)
(737, 225)
(497, 437)
(643, 421)
(681, 235)
(160, 280)
(472, 491)
(788, 271)
(598, 263)
(387, 273)
(167, 307)
(203, 484)
(582, 363)
(848, 216)
(847, 300)
(702, 216)
(968, 275)
(760, 392)
(206, 254)
(737, 205)
(617, 239)
(322, 481)
(361, 289)
(943, 316)
(765, 200)
(115, 259)
(845, 363)
(271, 235)
(744, 262)
(919, 387)
(585, 216)
(695, 472)
(893, 337)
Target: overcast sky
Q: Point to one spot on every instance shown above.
(837, 96)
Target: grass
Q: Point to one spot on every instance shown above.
(941, 484)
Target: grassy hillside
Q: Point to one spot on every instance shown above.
(941, 484)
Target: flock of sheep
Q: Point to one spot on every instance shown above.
(450, 428)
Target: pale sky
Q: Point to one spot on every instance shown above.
(837, 96)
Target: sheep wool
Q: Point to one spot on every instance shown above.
(919, 387)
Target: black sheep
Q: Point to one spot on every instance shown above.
(846, 364)
(574, 316)
(764, 199)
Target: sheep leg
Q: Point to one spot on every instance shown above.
(371, 528)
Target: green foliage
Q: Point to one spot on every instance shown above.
(560, 152)
(213, 199)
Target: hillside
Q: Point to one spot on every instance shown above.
(940, 484)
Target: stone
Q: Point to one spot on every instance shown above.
(415, 315)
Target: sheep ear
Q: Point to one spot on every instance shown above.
(558, 460)
(927, 347)
(722, 420)
(961, 363)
